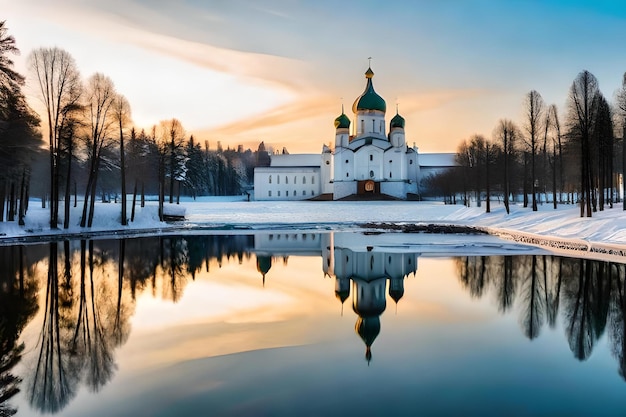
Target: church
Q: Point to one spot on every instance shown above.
(368, 161)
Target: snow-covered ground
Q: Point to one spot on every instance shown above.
(607, 228)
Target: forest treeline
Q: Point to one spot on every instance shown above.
(93, 151)
(543, 159)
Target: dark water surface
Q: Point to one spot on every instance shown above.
(293, 324)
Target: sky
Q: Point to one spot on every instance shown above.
(279, 71)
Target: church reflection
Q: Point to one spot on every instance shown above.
(84, 294)
(368, 273)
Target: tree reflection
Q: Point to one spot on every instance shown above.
(52, 385)
(586, 305)
(91, 287)
(18, 303)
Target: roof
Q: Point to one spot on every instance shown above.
(296, 160)
(437, 160)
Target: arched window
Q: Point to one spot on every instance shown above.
(287, 193)
(371, 157)
(295, 193)
(411, 162)
(381, 127)
(312, 180)
(295, 179)
(371, 174)
(303, 179)
(303, 192)
(269, 193)
(286, 179)
(389, 174)
(373, 125)
(277, 179)
(279, 193)
(270, 179)
(362, 126)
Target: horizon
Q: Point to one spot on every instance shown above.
(242, 73)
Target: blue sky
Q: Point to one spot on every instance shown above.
(242, 71)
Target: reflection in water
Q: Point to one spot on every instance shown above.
(590, 293)
(89, 290)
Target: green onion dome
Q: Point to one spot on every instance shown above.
(342, 122)
(397, 121)
(369, 100)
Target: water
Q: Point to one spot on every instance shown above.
(287, 324)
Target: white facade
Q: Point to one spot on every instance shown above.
(366, 161)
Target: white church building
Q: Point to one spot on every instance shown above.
(367, 160)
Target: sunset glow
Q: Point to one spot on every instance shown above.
(278, 71)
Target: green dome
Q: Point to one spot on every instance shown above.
(397, 121)
(369, 100)
(342, 122)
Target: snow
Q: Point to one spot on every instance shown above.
(546, 227)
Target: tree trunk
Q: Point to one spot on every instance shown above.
(132, 209)
(3, 198)
(11, 213)
(68, 184)
(123, 174)
(22, 207)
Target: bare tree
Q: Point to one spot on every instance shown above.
(582, 102)
(533, 109)
(59, 86)
(621, 107)
(121, 110)
(100, 94)
(507, 134)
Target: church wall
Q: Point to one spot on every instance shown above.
(394, 188)
(370, 123)
(394, 165)
(286, 183)
(368, 163)
(343, 189)
(326, 173)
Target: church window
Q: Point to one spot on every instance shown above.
(269, 193)
(371, 157)
(371, 174)
(411, 162)
(287, 193)
(390, 161)
(303, 192)
(327, 162)
(312, 180)
(303, 179)
(390, 260)
(373, 125)
(347, 162)
(270, 179)
(295, 193)
(347, 174)
(389, 174)
(279, 193)
(362, 126)
(312, 193)
(295, 179)
(371, 263)
(286, 179)
(381, 127)
(277, 179)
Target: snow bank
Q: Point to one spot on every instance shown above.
(605, 231)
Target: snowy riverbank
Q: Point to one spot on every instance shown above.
(606, 229)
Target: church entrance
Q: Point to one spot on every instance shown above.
(368, 187)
